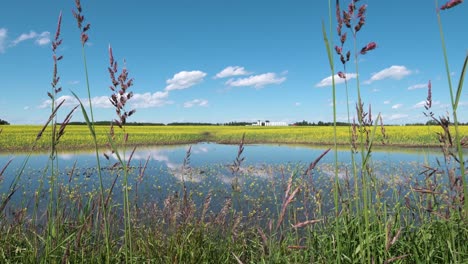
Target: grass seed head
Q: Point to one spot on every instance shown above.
(80, 20)
(338, 50)
(450, 4)
(368, 47)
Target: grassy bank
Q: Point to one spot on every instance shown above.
(20, 138)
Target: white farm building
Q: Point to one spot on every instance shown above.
(268, 123)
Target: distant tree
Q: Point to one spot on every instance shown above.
(238, 124)
(431, 122)
(189, 124)
(3, 122)
(302, 123)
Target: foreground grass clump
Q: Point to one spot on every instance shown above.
(20, 138)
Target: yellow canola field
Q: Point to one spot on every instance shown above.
(21, 138)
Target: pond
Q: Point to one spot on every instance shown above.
(158, 172)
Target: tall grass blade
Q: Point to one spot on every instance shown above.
(460, 82)
(85, 116)
(4, 168)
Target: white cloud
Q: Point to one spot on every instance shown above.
(232, 71)
(387, 102)
(397, 116)
(43, 38)
(148, 100)
(328, 81)
(394, 72)
(23, 37)
(184, 80)
(145, 100)
(40, 39)
(196, 102)
(3, 36)
(257, 81)
(297, 104)
(418, 86)
(423, 103)
(70, 101)
(397, 106)
(100, 102)
(420, 104)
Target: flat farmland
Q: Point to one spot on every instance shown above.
(22, 138)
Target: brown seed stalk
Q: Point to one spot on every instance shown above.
(450, 4)
(80, 20)
(119, 87)
(368, 47)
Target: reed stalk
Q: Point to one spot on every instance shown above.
(454, 98)
(90, 123)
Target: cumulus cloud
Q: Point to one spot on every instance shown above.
(3, 36)
(43, 38)
(232, 71)
(146, 100)
(69, 100)
(328, 81)
(257, 81)
(397, 106)
(418, 86)
(98, 102)
(184, 80)
(393, 72)
(39, 38)
(196, 102)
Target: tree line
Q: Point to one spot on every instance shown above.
(3, 122)
(301, 123)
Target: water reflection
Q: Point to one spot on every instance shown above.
(208, 168)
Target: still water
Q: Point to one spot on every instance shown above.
(157, 172)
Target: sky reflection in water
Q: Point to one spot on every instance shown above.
(209, 169)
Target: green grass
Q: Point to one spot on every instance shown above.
(20, 138)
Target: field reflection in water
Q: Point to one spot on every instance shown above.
(262, 176)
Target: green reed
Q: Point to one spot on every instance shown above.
(455, 98)
(80, 19)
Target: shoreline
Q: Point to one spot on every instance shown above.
(103, 148)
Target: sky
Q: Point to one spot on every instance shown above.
(221, 61)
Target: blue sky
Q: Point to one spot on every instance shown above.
(222, 61)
